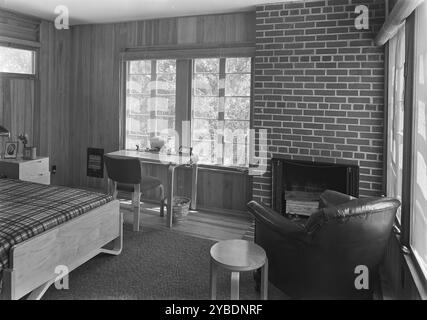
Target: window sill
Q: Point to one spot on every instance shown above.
(213, 167)
(411, 264)
(417, 276)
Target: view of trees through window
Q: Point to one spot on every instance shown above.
(16, 60)
(220, 106)
(221, 110)
(150, 102)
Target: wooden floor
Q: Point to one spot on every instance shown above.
(202, 224)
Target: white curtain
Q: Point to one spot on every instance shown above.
(419, 181)
(396, 86)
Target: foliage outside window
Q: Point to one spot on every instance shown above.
(18, 61)
(220, 106)
(221, 110)
(150, 102)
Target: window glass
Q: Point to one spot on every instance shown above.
(396, 87)
(150, 102)
(17, 60)
(419, 188)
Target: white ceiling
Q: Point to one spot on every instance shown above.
(104, 11)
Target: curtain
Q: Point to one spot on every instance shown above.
(396, 85)
(419, 181)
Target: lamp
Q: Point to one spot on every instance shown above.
(4, 132)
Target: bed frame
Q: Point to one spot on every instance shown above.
(32, 263)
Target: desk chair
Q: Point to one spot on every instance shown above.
(126, 175)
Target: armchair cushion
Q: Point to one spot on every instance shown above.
(333, 198)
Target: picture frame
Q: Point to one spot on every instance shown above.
(11, 150)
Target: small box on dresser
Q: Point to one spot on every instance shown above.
(36, 171)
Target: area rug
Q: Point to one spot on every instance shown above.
(154, 264)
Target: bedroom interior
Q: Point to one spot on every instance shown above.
(236, 150)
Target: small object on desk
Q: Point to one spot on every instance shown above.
(157, 143)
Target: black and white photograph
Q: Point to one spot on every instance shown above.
(213, 157)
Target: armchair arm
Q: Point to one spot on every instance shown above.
(333, 198)
(285, 227)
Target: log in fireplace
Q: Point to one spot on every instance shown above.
(297, 185)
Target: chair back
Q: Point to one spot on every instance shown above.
(127, 171)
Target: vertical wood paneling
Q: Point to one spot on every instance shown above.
(52, 114)
(17, 107)
(95, 84)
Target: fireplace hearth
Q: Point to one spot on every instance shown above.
(297, 185)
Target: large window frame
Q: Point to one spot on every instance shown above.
(408, 171)
(184, 56)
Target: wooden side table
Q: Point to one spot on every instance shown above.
(238, 256)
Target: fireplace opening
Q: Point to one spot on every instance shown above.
(297, 185)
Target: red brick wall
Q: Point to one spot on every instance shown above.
(319, 87)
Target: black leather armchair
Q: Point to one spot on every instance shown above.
(317, 258)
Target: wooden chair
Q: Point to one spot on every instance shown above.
(126, 175)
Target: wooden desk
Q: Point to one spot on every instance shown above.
(172, 162)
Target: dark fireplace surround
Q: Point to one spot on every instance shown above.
(297, 185)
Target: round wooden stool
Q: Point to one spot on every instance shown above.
(238, 256)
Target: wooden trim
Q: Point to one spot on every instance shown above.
(408, 130)
(401, 10)
(19, 16)
(189, 51)
(19, 43)
(8, 75)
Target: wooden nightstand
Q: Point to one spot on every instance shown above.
(27, 170)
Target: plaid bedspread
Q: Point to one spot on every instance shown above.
(28, 209)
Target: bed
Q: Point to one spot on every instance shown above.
(46, 227)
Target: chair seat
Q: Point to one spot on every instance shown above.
(147, 183)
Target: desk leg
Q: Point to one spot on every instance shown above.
(213, 279)
(195, 172)
(171, 182)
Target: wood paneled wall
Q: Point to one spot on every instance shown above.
(74, 101)
(17, 107)
(52, 113)
(95, 87)
(16, 26)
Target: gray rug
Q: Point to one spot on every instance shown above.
(154, 264)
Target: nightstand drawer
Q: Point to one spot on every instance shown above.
(42, 178)
(29, 169)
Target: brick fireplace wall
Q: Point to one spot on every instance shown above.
(319, 87)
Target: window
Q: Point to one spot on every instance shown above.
(221, 110)
(150, 102)
(396, 85)
(19, 61)
(218, 106)
(419, 188)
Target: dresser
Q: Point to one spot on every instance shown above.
(27, 170)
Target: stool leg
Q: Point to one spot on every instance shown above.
(213, 280)
(264, 281)
(235, 277)
(136, 203)
(162, 201)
